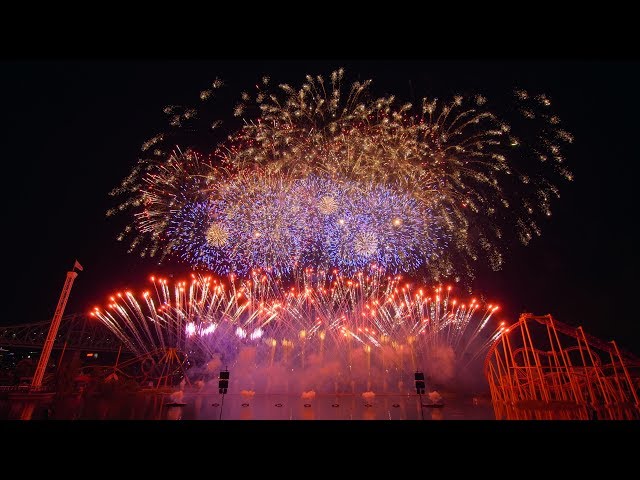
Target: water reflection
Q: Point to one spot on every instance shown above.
(210, 406)
(437, 414)
(174, 413)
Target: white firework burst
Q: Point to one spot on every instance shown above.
(365, 244)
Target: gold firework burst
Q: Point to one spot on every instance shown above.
(327, 205)
(217, 235)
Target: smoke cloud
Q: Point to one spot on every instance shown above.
(278, 370)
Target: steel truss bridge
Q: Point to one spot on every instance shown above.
(76, 332)
(83, 333)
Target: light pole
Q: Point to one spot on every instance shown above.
(420, 389)
(223, 385)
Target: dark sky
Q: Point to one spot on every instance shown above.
(73, 129)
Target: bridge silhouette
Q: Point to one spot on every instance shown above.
(79, 332)
(76, 332)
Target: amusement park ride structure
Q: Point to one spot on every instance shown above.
(543, 369)
(53, 330)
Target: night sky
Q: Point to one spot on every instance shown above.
(73, 129)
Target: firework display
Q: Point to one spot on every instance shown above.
(327, 332)
(323, 175)
(277, 224)
(310, 203)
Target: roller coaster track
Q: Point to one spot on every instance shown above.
(543, 369)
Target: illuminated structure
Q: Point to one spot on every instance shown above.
(53, 330)
(543, 369)
(76, 331)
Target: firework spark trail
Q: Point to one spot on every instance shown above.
(322, 315)
(471, 171)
